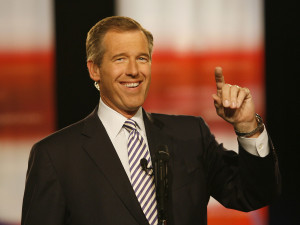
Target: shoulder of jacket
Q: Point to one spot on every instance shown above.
(153, 116)
(69, 132)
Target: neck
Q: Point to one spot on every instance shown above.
(126, 113)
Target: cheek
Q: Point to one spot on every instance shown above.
(109, 72)
(146, 71)
(117, 69)
(148, 75)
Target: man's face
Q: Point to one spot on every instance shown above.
(125, 72)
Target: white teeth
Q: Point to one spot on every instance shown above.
(131, 85)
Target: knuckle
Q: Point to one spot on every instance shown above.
(246, 90)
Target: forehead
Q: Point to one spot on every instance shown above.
(125, 40)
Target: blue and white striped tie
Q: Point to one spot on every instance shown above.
(143, 184)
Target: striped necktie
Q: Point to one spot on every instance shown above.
(143, 184)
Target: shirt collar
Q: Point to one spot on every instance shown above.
(113, 121)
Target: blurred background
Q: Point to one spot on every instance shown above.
(44, 83)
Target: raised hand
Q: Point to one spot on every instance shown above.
(234, 104)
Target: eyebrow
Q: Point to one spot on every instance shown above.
(118, 55)
(144, 54)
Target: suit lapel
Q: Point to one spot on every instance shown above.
(156, 136)
(100, 149)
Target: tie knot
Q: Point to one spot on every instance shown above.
(130, 125)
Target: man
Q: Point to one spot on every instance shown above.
(86, 174)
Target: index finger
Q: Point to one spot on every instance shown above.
(219, 78)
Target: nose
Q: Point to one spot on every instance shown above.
(132, 68)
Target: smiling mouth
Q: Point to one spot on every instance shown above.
(131, 85)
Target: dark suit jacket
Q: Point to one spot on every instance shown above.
(75, 176)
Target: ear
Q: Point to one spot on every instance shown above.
(94, 71)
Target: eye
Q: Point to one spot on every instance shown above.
(143, 59)
(120, 59)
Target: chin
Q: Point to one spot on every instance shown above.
(135, 103)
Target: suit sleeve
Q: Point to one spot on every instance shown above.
(43, 201)
(239, 181)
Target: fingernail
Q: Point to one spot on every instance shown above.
(226, 103)
(233, 104)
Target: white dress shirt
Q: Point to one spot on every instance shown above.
(113, 123)
(256, 146)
